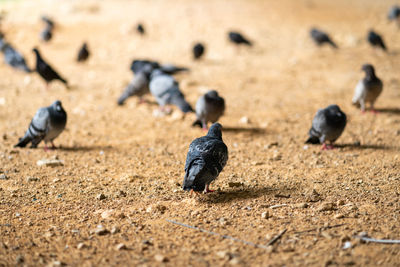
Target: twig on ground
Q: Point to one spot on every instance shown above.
(320, 228)
(223, 236)
(276, 238)
(277, 206)
(381, 241)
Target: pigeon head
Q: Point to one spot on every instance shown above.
(369, 69)
(57, 105)
(215, 131)
(212, 94)
(36, 51)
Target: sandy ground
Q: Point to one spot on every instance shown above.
(50, 215)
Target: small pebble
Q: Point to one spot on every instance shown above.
(114, 230)
(347, 245)
(265, 215)
(32, 179)
(101, 196)
(81, 246)
(327, 206)
(3, 177)
(50, 162)
(160, 258)
(120, 246)
(100, 230)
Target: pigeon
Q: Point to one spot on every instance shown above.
(83, 53)
(394, 13)
(140, 29)
(368, 89)
(237, 38)
(12, 57)
(139, 85)
(45, 71)
(327, 126)
(47, 124)
(209, 107)
(375, 40)
(46, 34)
(166, 91)
(206, 158)
(198, 50)
(138, 64)
(320, 37)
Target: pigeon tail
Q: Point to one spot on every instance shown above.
(312, 140)
(23, 141)
(181, 103)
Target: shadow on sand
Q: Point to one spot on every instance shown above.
(366, 146)
(253, 130)
(85, 148)
(240, 194)
(395, 111)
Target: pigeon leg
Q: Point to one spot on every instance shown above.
(373, 110)
(141, 100)
(204, 125)
(46, 148)
(208, 190)
(191, 193)
(327, 147)
(47, 86)
(52, 145)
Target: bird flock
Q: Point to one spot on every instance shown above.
(207, 155)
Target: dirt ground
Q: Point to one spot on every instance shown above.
(123, 167)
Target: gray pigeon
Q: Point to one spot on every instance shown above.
(209, 107)
(166, 91)
(368, 89)
(327, 126)
(394, 13)
(139, 85)
(320, 37)
(46, 125)
(206, 158)
(12, 57)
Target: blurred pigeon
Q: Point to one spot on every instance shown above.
(166, 91)
(138, 64)
(394, 13)
(140, 29)
(83, 53)
(375, 40)
(46, 34)
(172, 69)
(368, 89)
(237, 38)
(206, 158)
(320, 37)
(47, 124)
(198, 50)
(46, 71)
(49, 22)
(327, 126)
(139, 85)
(209, 107)
(12, 57)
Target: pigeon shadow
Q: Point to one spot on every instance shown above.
(239, 194)
(389, 110)
(253, 130)
(366, 146)
(85, 148)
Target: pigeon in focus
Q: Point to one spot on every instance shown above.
(209, 107)
(166, 91)
(206, 158)
(140, 28)
(83, 53)
(320, 37)
(327, 126)
(198, 50)
(47, 124)
(394, 13)
(139, 85)
(46, 71)
(12, 57)
(368, 89)
(376, 40)
(238, 38)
